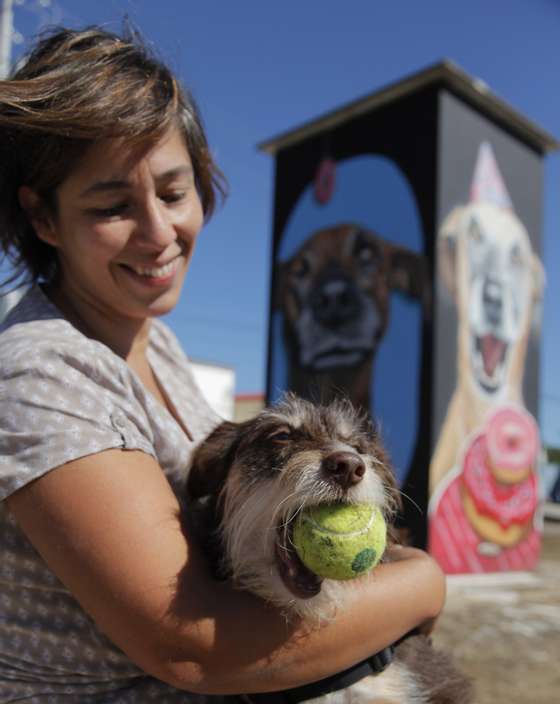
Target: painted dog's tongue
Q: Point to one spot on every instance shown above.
(492, 353)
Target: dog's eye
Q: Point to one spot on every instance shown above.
(358, 446)
(301, 267)
(475, 233)
(516, 256)
(365, 254)
(281, 435)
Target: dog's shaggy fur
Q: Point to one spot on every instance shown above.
(248, 482)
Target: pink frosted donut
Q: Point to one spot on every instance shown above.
(512, 439)
(507, 504)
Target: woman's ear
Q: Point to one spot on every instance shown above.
(37, 211)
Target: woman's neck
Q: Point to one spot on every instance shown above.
(127, 337)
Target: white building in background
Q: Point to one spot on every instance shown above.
(217, 383)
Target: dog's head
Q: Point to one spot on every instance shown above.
(334, 293)
(486, 260)
(255, 477)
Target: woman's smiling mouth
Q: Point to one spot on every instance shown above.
(158, 276)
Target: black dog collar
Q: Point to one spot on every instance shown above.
(372, 666)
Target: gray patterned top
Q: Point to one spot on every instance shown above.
(64, 396)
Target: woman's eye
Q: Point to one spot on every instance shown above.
(110, 212)
(173, 197)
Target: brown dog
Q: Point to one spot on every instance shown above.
(248, 482)
(487, 263)
(335, 297)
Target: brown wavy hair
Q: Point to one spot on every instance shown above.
(77, 87)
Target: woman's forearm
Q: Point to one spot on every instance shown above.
(246, 646)
(120, 549)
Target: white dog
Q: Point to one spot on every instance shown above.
(487, 263)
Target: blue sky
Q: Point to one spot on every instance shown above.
(258, 68)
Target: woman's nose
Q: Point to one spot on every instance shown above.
(154, 226)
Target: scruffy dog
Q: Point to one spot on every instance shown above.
(248, 482)
(334, 294)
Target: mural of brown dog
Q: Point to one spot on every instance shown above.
(334, 293)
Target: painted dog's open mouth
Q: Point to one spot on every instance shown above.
(489, 353)
(301, 581)
(339, 357)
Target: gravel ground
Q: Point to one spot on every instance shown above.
(504, 630)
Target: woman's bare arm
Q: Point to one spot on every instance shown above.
(108, 526)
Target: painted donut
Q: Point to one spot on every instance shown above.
(499, 513)
(513, 441)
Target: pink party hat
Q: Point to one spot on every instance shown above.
(488, 185)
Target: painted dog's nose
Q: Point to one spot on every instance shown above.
(335, 302)
(492, 300)
(345, 468)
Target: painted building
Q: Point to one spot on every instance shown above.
(407, 276)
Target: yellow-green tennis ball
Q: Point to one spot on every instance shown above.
(340, 541)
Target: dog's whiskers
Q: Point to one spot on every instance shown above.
(409, 498)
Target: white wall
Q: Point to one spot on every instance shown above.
(217, 383)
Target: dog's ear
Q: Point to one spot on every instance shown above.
(409, 273)
(447, 248)
(212, 460)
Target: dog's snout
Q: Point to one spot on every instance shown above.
(492, 300)
(346, 468)
(335, 301)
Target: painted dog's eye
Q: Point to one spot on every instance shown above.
(475, 233)
(281, 435)
(301, 267)
(516, 256)
(365, 254)
(364, 251)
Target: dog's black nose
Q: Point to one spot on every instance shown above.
(335, 302)
(346, 468)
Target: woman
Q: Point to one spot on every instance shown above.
(106, 179)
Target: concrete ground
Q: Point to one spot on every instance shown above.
(504, 630)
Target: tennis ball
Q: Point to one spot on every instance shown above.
(340, 541)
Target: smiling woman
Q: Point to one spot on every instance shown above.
(124, 229)
(105, 181)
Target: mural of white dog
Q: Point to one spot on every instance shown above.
(482, 473)
(487, 263)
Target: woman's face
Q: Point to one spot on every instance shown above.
(125, 227)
